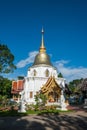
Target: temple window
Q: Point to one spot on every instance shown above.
(31, 94)
(47, 73)
(35, 72)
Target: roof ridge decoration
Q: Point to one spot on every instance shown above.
(50, 86)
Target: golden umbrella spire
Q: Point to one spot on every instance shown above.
(42, 47)
(42, 57)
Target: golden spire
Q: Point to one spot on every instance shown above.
(42, 47)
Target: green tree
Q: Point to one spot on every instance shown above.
(74, 85)
(40, 101)
(5, 87)
(6, 59)
(60, 75)
(4, 101)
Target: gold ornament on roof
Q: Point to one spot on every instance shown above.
(42, 57)
(42, 48)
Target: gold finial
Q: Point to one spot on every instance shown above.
(42, 48)
(42, 31)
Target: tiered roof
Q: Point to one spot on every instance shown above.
(51, 86)
(17, 86)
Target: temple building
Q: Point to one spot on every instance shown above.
(41, 76)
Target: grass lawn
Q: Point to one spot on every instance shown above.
(29, 112)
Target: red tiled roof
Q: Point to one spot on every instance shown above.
(17, 86)
(14, 85)
(20, 84)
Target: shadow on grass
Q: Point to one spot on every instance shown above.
(12, 113)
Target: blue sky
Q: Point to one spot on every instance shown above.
(65, 26)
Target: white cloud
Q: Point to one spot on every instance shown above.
(69, 72)
(28, 60)
(62, 62)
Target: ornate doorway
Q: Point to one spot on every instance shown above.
(53, 97)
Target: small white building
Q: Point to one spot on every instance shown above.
(42, 74)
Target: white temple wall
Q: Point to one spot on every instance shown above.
(41, 71)
(36, 78)
(33, 85)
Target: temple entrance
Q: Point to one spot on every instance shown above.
(53, 97)
(51, 90)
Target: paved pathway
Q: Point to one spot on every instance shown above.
(65, 121)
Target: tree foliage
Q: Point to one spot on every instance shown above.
(60, 75)
(6, 59)
(40, 100)
(5, 87)
(74, 85)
